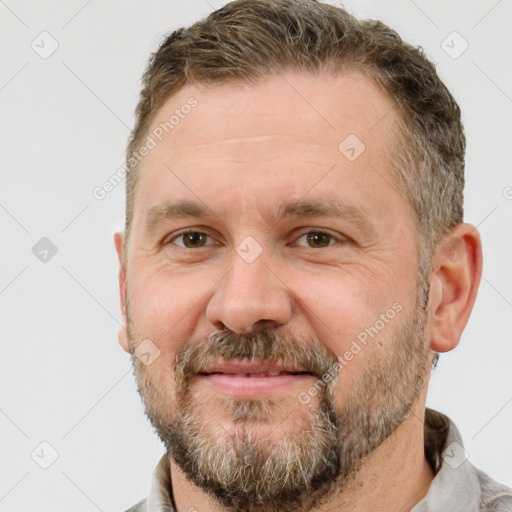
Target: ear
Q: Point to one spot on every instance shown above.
(455, 280)
(123, 332)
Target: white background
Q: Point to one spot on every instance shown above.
(64, 124)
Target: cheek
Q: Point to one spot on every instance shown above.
(163, 309)
(339, 305)
(353, 319)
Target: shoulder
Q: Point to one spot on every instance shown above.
(138, 507)
(495, 497)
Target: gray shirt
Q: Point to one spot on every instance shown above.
(457, 485)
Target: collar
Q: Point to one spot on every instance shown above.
(455, 486)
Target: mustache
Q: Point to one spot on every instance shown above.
(304, 352)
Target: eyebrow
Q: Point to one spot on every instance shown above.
(168, 210)
(328, 207)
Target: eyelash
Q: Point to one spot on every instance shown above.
(337, 239)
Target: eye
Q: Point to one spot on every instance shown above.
(317, 239)
(191, 239)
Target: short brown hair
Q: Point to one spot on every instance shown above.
(249, 39)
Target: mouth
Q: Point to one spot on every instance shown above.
(252, 379)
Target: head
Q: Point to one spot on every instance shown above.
(317, 163)
(247, 41)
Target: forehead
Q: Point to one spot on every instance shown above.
(306, 106)
(278, 136)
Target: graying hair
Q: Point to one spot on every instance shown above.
(247, 40)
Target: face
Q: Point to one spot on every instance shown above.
(267, 238)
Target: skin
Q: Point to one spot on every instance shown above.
(244, 151)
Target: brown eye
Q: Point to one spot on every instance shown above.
(194, 239)
(191, 239)
(317, 239)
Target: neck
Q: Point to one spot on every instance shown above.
(394, 478)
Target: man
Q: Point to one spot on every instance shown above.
(294, 261)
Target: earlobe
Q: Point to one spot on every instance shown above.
(123, 332)
(458, 267)
(119, 244)
(123, 339)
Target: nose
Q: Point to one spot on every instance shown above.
(251, 296)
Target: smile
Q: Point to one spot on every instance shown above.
(252, 380)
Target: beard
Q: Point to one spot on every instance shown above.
(271, 454)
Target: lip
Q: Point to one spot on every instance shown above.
(240, 379)
(243, 367)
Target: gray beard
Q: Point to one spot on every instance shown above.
(296, 471)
